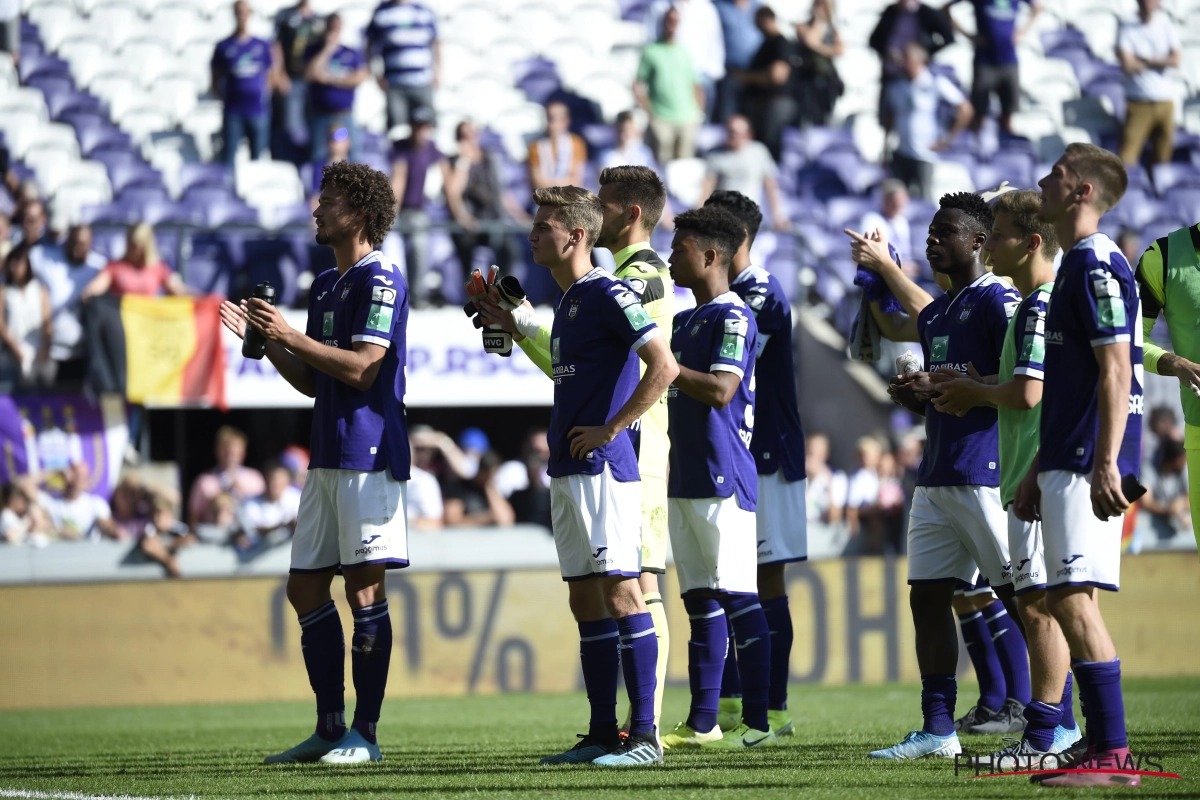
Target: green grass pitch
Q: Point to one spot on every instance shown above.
(489, 747)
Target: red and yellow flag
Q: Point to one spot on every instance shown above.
(173, 351)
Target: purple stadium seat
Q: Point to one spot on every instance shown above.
(842, 266)
(74, 100)
(805, 209)
(820, 182)
(206, 175)
(1017, 168)
(56, 90)
(537, 78)
(847, 212)
(34, 64)
(782, 264)
(818, 243)
(1114, 90)
(1160, 227)
(135, 174)
(93, 130)
(272, 260)
(1089, 72)
(1139, 179)
(634, 10)
(1067, 36)
(295, 216)
(1184, 201)
(599, 137)
(210, 266)
(229, 212)
(1170, 175)
(1137, 209)
(374, 143)
(820, 139)
(378, 161)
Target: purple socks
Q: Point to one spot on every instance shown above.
(324, 651)
(989, 673)
(938, 693)
(1068, 701)
(1010, 651)
(370, 655)
(706, 657)
(639, 657)
(1103, 704)
(600, 657)
(753, 642)
(779, 623)
(731, 682)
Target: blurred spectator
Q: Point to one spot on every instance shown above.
(745, 165)
(476, 501)
(337, 148)
(911, 109)
(531, 504)
(78, 514)
(742, 40)
(230, 477)
(437, 453)
(22, 521)
(295, 458)
(890, 219)
(862, 494)
(333, 73)
(826, 489)
(6, 242)
(1164, 427)
(557, 159)
(475, 193)
(1130, 243)
(887, 534)
(700, 34)
(996, 70)
(32, 214)
(10, 29)
(513, 476)
(66, 270)
(164, 536)
(474, 444)
(295, 28)
(1166, 500)
(404, 34)
(131, 508)
(270, 517)
(140, 272)
(425, 509)
(630, 149)
(817, 83)
(767, 96)
(242, 68)
(666, 87)
(25, 325)
(1147, 47)
(412, 159)
(901, 24)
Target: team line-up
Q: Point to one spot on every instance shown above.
(684, 426)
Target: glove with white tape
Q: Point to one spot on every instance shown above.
(511, 298)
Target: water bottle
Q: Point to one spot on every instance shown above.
(254, 344)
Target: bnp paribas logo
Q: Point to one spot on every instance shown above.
(939, 348)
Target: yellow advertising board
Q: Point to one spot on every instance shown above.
(456, 633)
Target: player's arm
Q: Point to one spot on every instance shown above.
(871, 252)
(714, 389)
(356, 368)
(1113, 395)
(913, 391)
(661, 370)
(531, 337)
(295, 371)
(1154, 358)
(733, 354)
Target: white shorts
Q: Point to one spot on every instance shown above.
(1028, 554)
(350, 519)
(713, 540)
(782, 520)
(951, 529)
(597, 523)
(1080, 550)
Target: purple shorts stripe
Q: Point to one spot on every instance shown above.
(1027, 589)
(959, 582)
(1108, 587)
(783, 561)
(611, 573)
(718, 592)
(390, 563)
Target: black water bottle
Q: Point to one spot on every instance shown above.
(254, 344)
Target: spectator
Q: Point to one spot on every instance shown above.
(131, 508)
(630, 149)
(32, 214)
(25, 325)
(6, 242)
(270, 517)
(1166, 500)
(22, 520)
(557, 159)
(476, 501)
(531, 504)
(862, 495)
(10, 29)
(242, 69)
(513, 476)
(745, 165)
(1164, 427)
(404, 34)
(474, 444)
(1147, 47)
(141, 272)
(890, 219)
(667, 89)
(903, 23)
(742, 40)
(412, 159)
(911, 109)
(768, 95)
(996, 71)
(78, 514)
(1130, 244)
(229, 477)
(818, 85)
(425, 509)
(296, 27)
(888, 533)
(337, 148)
(826, 489)
(333, 73)
(164, 536)
(295, 459)
(437, 453)
(66, 270)
(476, 193)
(700, 34)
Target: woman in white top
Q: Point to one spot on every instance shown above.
(25, 325)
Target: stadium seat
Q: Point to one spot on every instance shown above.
(252, 176)
(684, 180)
(272, 260)
(1171, 175)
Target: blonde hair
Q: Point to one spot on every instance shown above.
(1023, 207)
(142, 235)
(574, 208)
(1103, 170)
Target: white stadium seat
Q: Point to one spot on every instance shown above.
(142, 121)
(22, 98)
(253, 176)
(685, 179)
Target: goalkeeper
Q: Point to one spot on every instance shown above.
(633, 199)
(1169, 279)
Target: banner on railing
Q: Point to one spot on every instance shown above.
(60, 429)
(173, 352)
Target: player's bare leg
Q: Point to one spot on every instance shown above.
(1049, 718)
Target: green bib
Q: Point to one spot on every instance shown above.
(1181, 288)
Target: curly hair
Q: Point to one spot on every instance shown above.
(973, 206)
(365, 190)
(740, 206)
(712, 227)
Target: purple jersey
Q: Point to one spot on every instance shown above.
(778, 441)
(599, 325)
(364, 431)
(1095, 302)
(710, 448)
(244, 66)
(968, 328)
(325, 98)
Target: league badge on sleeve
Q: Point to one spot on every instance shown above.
(734, 340)
(384, 295)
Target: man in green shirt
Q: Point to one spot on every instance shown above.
(632, 199)
(667, 89)
(1022, 248)
(1169, 280)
